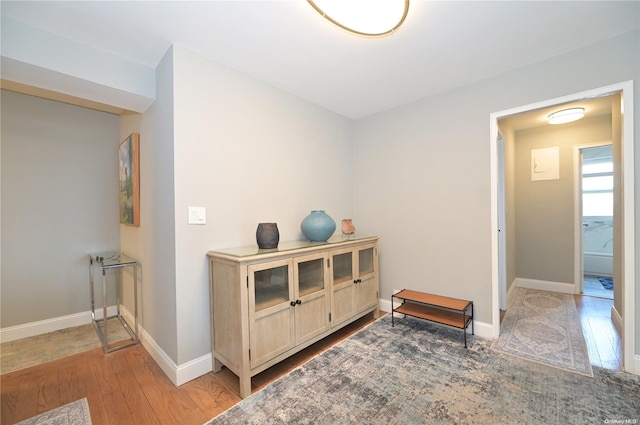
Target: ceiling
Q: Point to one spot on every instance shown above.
(442, 45)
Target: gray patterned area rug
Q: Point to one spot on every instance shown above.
(76, 413)
(420, 373)
(544, 327)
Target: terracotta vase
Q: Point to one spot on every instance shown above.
(347, 227)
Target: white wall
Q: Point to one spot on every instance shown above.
(422, 181)
(245, 151)
(59, 203)
(153, 242)
(421, 171)
(248, 153)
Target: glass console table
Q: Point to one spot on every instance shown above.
(106, 261)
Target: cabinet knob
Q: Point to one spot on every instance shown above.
(298, 302)
(293, 303)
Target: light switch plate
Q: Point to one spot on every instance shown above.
(197, 215)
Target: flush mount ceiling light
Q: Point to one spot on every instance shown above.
(369, 18)
(566, 115)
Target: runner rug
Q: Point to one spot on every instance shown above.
(544, 327)
(75, 413)
(420, 373)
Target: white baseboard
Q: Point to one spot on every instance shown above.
(385, 305)
(617, 322)
(482, 329)
(40, 327)
(616, 319)
(177, 374)
(195, 368)
(161, 358)
(511, 293)
(545, 285)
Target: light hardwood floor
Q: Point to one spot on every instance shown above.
(603, 339)
(127, 387)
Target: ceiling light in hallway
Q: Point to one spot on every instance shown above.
(371, 18)
(566, 115)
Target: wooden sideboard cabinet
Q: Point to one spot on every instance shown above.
(267, 304)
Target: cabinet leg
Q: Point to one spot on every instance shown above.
(245, 387)
(217, 365)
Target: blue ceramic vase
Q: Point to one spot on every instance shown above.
(318, 226)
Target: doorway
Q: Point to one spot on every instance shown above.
(594, 183)
(624, 129)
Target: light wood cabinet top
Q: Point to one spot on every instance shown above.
(252, 252)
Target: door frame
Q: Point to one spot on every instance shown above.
(502, 227)
(628, 215)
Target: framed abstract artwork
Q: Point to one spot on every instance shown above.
(129, 161)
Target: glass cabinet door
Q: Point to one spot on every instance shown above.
(342, 268)
(271, 286)
(354, 281)
(366, 292)
(342, 285)
(271, 328)
(310, 276)
(312, 296)
(365, 261)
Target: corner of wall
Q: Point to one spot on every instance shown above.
(178, 374)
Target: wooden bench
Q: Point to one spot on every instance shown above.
(448, 311)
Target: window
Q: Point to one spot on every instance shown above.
(597, 187)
